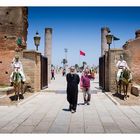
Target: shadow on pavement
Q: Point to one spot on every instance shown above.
(80, 104)
(119, 95)
(60, 92)
(64, 91)
(15, 97)
(64, 109)
(98, 88)
(94, 91)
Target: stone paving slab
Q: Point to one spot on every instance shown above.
(47, 113)
(95, 118)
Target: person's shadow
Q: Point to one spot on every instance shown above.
(65, 109)
(80, 104)
(119, 95)
(15, 97)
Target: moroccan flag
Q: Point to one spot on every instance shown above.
(82, 53)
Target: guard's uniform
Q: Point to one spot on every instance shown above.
(121, 65)
(17, 66)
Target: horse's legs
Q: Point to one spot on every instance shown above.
(16, 92)
(117, 86)
(126, 86)
(19, 90)
(125, 91)
(120, 86)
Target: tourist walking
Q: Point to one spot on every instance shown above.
(72, 89)
(64, 72)
(52, 74)
(85, 84)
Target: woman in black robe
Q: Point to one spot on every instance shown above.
(72, 89)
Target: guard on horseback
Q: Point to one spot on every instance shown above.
(17, 67)
(121, 65)
(124, 76)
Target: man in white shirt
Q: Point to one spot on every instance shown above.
(17, 66)
(121, 64)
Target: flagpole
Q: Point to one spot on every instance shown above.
(81, 53)
(79, 58)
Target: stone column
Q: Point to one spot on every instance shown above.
(104, 45)
(48, 50)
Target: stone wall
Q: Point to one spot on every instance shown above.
(13, 24)
(5, 66)
(131, 52)
(114, 56)
(108, 69)
(132, 55)
(32, 67)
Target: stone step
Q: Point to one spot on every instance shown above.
(6, 90)
(135, 90)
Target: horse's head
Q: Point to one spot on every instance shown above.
(126, 73)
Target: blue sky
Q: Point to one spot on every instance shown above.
(79, 28)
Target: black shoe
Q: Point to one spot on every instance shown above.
(85, 102)
(88, 103)
(70, 108)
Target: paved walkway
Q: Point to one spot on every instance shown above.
(46, 112)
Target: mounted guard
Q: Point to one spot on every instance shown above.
(124, 76)
(17, 78)
(121, 65)
(17, 67)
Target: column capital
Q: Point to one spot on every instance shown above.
(48, 29)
